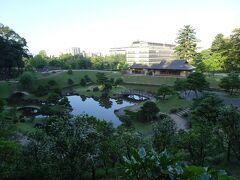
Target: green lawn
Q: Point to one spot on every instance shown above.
(62, 77)
(6, 89)
(172, 102)
(25, 127)
(149, 80)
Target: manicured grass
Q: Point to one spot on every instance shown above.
(146, 88)
(172, 102)
(62, 78)
(25, 127)
(6, 89)
(149, 80)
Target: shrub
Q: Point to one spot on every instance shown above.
(26, 80)
(41, 91)
(70, 82)
(57, 91)
(87, 78)
(118, 81)
(70, 71)
(95, 89)
(173, 110)
(83, 82)
(52, 82)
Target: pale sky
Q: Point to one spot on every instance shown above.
(97, 25)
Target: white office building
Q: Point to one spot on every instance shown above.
(149, 53)
(146, 53)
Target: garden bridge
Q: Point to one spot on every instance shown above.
(138, 93)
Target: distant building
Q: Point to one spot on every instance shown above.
(74, 51)
(174, 67)
(149, 53)
(116, 51)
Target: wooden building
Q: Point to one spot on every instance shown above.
(170, 68)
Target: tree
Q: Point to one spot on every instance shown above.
(181, 85)
(2, 103)
(27, 80)
(40, 60)
(163, 134)
(231, 83)
(52, 82)
(229, 120)
(197, 82)
(70, 82)
(148, 111)
(118, 81)
(186, 43)
(101, 78)
(206, 108)
(83, 82)
(219, 44)
(164, 91)
(12, 50)
(70, 71)
(232, 62)
(195, 144)
(212, 61)
(10, 155)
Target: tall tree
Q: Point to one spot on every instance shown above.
(186, 43)
(12, 50)
(233, 59)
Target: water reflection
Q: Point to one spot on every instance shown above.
(101, 108)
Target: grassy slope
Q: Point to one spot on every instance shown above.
(6, 89)
(172, 102)
(62, 78)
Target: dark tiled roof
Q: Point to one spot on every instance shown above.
(170, 65)
(139, 66)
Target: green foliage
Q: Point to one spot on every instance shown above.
(164, 134)
(118, 81)
(181, 85)
(87, 78)
(70, 71)
(231, 83)
(194, 142)
(12, 50)
(27, 80)
(229, 120)
(53, 98)
(206, 108)
(41, 90)
(164, 91)
(2, 103)
(152, 165)
(148, 112)
(186, 43)
(83, 82)
(40, 60)
(70, 82)
(10, 156)
(101, 78)
(52, 82)
(197, 82)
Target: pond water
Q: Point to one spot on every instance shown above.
(101, 108)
